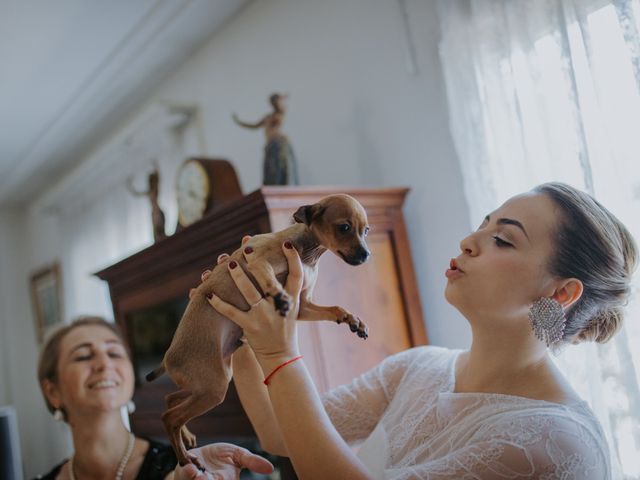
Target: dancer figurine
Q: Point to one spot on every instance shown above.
(157, 215)
(279, 160)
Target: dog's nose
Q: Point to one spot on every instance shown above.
(363, 255)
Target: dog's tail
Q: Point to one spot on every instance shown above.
(151, 376)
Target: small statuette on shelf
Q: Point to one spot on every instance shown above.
(279, 167)
(157, 215)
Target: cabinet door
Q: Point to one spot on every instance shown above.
(372, 292)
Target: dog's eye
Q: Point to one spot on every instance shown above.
(344, 228)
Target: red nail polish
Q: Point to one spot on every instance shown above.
(209, 295)
(288, 245)
(233, 264)
(248, 250)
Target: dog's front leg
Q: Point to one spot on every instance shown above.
(309, 311)
(264, 274)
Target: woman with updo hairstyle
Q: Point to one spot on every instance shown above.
(548, 268)
(592, 245)
(86, 377)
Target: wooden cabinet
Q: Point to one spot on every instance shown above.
(149, 292)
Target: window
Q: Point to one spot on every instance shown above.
(542, 91)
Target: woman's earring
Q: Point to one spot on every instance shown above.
(58, 415)
(547, 320)
(131, 407)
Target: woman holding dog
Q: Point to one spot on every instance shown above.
(86, 377)
(547, 268)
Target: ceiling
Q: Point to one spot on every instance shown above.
(72, 69)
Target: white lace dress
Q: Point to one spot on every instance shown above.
(415, 427)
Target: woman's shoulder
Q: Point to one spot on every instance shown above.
(509, 434)
(526, 419)
(159, 461)
(577, 414)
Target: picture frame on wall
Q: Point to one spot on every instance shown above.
(46, 297)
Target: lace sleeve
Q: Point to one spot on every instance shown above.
(568, 451)
(356, 408)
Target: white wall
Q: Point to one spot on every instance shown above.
(42, 439)
(6, 287)
(357, 117)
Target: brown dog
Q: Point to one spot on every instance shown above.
(199, 357)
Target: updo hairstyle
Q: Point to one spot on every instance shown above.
(592, 245)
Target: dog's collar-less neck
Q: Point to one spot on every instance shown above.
(309, 248)
(310, 257)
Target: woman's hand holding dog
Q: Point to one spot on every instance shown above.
(272, 337)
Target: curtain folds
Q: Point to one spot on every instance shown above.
(547, 90)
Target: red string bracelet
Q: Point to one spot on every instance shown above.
(266, 380)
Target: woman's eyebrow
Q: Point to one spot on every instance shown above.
(509, 221)
(114, 341)
(79, 346)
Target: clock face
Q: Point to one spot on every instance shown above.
(193, 191)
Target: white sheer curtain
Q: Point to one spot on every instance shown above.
(544, 90)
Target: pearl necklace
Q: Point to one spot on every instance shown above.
(121, 466)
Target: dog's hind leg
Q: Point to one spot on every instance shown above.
(175, 418)
(173, 429)
(188, 438)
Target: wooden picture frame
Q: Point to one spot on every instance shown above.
(46, 297)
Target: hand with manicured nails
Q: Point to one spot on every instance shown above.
(272, 337)
(223, 461)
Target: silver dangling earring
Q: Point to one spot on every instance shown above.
(131, 407)
(547, 320)
(58, 415)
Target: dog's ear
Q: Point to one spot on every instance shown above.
(303, 214)
(308, 214)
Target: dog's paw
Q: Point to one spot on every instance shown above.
(356, 325)
(282, 302)
(196, 461)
